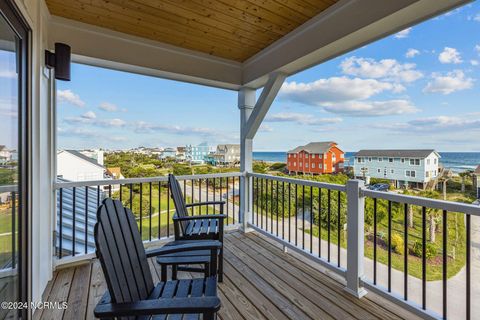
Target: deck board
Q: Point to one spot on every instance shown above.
(260, 282)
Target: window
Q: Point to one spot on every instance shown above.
(359, 160)
(414, 162)
(392, 171)
(306, 156)
(294, 164)
(369, 159)
(390, 159)
(427, 174)
(289, 155)
(320, 166)
(410, 173)
(313, 165)
(300, 164)
(428, 161)
(306, 165)
(380, 159)
(402, 160)
(313, 156)
(379, 171)
(435, 161)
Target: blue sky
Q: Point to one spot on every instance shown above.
(416, 89)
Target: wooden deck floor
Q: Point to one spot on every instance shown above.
(261, 282)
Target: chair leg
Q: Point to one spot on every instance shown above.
(206, 270)
(220, 266)
(209, 316)
(164, 273)
(174, 272)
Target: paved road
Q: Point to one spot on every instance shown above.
(456, 285)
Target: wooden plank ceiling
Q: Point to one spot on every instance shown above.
(231, 29)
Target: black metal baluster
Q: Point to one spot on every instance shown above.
(468, 268)
(271, 206)
(319, 222)
(424, 258)
(131, 196)
(444, 262)
(256, 199)
(60, 240)
(185, 190)
(86, 220)
(74, 209)
(405, 252)
(228, 202)
(168, 211)
(276, 207)
(289, 210)
(328, 222)
(339, 224)
(141, 209)
(160, 207)
(206, 181)
(14, 233)
(192, 200)
(120, 193)
(311, 219)
(303, 217)
(200, 194)
(389, 246)
(283, 210)
(109, 190)
(150, 216)
(261, 203)
(98, 196)
(233, 198)
(374, 241)
(214, 191)
(296, 211)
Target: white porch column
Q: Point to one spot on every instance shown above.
(246, 103)
(355, 238)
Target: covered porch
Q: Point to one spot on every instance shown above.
(245, 46)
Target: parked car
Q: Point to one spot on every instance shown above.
(379, 187)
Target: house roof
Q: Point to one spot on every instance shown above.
(395, 153)
(315, 147)
(477, 170)
(84, 157)
(114, 171)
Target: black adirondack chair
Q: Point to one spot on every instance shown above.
(196, 227)
(131, 292)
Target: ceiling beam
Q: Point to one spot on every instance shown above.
(110, 49)
(263, 104)
(345, 26)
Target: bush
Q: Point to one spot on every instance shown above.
(260, 167)
(182, 170)
(278, 166)
(397, 243)
(430, 250)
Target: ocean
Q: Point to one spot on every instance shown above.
(457, 161)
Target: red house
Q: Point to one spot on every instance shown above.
(316, 158)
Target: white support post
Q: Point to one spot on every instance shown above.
(246, 103)
(355, 237)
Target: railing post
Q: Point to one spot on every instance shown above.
(246, 103)
(355, 238)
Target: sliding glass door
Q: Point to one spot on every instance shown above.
(13, 161)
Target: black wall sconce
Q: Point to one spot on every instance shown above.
(60, 61)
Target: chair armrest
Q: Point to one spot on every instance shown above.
(158, 306)
(190, 246)
(207, 203)
(202, 216)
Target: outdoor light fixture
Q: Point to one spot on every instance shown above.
(60, 61)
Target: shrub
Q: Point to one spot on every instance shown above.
(397, 243)
(278, 166)
(430, 250)
(182, 169)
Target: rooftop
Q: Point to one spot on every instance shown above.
(315, 147)
(414, 153)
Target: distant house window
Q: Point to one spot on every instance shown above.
(295, 155)
(410, 173)
(378, 170)
(392, 171)
(320, 166)
(289, 155)
(306, 156)
(306, 165)
(359, 160)
(402, 160)
(313, 165)
(313, 156)
(428, 161)
(380, 159)
(390, 159)
(414, 162)
(427, 174)
(294, 164)
(369, 159)
(435, 161)
(300, 164)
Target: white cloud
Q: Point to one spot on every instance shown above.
(113, 122)
(8, 74)
(265, 128)
(477, 17)
(89, 115)
(449, 83)
(474, 62)
(386, 69)
(70, 97)
(110, 107)
(335, 89)
(372, 108)
(434, 124)
(145, 127)
(301, 118)
(403, 34)
(477, 48)
(450, 55)
(412, 53)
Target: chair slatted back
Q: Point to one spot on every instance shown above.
(178, 200)
(122, 255)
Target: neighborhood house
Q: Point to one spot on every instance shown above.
(404, 168)
(316, 158)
